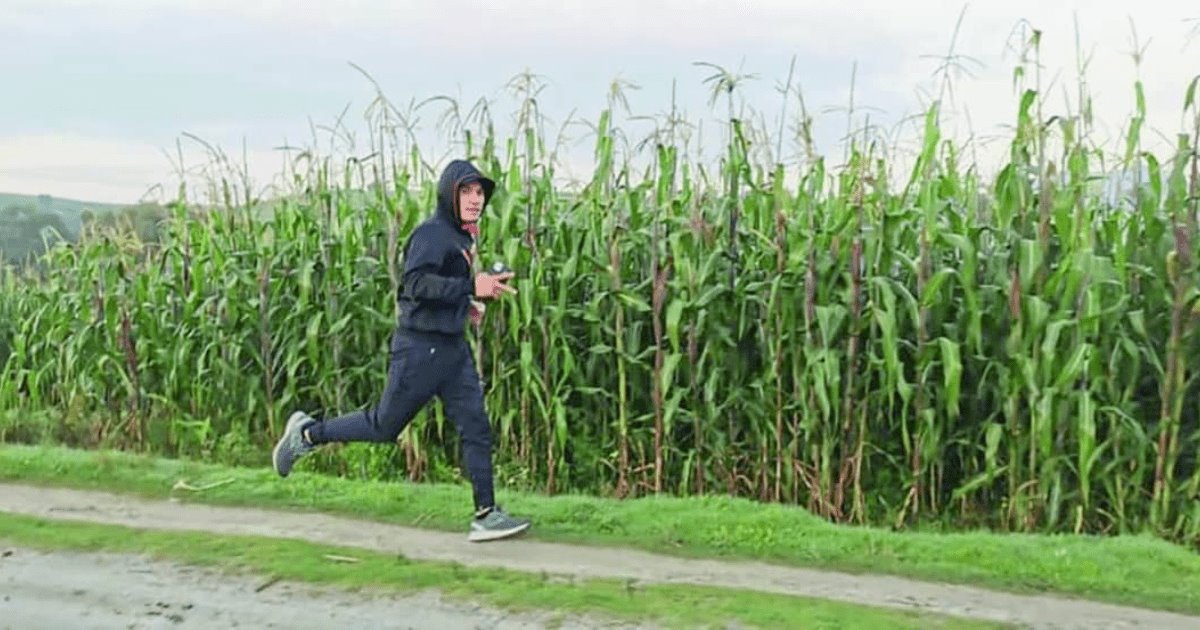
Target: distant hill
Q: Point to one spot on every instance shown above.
(69, 209)
(26, 221)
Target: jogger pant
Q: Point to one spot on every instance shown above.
(422, 366)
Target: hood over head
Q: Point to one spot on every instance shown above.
(457, 173)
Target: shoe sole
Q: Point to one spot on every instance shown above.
(485, 536)
(295, 418)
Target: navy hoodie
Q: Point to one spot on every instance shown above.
(438, 283)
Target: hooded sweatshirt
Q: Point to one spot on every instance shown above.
(438, 284)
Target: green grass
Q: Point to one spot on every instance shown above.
(678, 606)
(1132, 570)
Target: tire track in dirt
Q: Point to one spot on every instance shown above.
(1033, 611)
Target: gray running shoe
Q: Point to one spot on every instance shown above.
(496, 525)
(292, 445)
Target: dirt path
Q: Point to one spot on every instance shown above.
(75, 590)
(1034, 611)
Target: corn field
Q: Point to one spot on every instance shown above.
(1010, 352)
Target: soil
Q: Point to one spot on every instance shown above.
(524, 554)
(76, 590)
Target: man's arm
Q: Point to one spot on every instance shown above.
(421, 264)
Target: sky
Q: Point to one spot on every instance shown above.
(99, 98)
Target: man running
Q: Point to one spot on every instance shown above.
(430, 355)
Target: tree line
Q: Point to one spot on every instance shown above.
(27, 230)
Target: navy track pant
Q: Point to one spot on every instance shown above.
(420, 368)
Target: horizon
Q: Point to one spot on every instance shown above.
(110, 93)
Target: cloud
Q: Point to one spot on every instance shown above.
(115, 170)
(78, 167)
(121, 79)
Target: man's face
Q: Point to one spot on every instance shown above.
(470, 202)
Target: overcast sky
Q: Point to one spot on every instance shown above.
(96, 94)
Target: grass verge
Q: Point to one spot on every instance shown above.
(672, 606)
(1132, 570)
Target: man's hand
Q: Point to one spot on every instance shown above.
(476, 312)
(489, 285)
